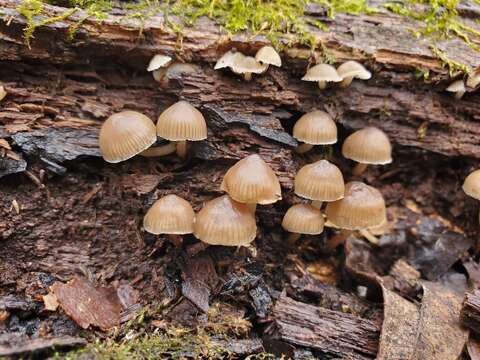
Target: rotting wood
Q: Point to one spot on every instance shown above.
(470, 313)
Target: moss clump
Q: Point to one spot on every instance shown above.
(453, 67)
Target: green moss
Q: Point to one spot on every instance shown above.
(453, 67)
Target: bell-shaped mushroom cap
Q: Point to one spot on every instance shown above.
(303, 219)
(241, 64)
(322, 72)
(353, 69)
(159, 61)
(362, 207)
(225, 60)
(252, 181)
(169, 215)
(223, 221)
(471, 185)
(320, 181)
(369, 145)
(268, 55)
(126, 134)
(456, 86)
(316, 128)
(182, 121)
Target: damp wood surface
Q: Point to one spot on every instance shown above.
(72, 214)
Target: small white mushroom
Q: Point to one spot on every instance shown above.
(457, 87)
(158, 64)
(350, 70)
(225, 61)
(267, 55)
(322, 73)
(246, 66)
(473, 80)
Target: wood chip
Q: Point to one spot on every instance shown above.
(15, 206)
(50, 301)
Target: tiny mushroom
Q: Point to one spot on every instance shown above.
(241, 64)
(322, 73)
(180, 123)
(170, 215)
(267, 55)
(158, 64)
(457, 87)
(320, 181)
(314, 128)
(223, 221)
(302, 219)
(350, 70)
(226, 60)
(362, 207)
(369, 145)
(471, 185)
(126, 134)
(251, 181)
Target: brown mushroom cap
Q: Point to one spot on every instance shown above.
(362, 207)
(353, 69)
(320, 181)
(252, 181)
(223, 221)
(268, 55)
(369, 145)
(126, 134)
(182, 121)
(471, 185)
(303, 219)
(322, 72)
(316, 128)
(169, 215)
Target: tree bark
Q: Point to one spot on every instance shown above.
(470, 313)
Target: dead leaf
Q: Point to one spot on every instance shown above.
(88, 305)
(50, 301)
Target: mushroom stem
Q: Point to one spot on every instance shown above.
(359, 169)
(339, 238)
(346, 81)
(157, 151)
(252, 207)
(317, 204)
(303, 148)
(182, 148)
(369, 236)
(175, 239)
(247, 76)
(322, 85)
(293, 237)
(459, 94)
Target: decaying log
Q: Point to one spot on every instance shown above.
(470, 313)
(329, 332)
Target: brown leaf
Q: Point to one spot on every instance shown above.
(88, 305)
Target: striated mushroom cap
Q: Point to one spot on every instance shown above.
(471, 185)
(316, 128)
(303, 219)
(322, 72)
(182, 121)
(320, 181)
(269, 56)
(353, 69)
(369, 145)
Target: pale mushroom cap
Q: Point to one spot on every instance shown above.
(353, 69)
(471, 185)
(169, 215)
(252, 181)
(322, 72)
(303, 219)
(268, 55)
(456, 86)
(182, 121)
(159, 61)
(362, 207)
(241, 64)
(320, 181)
(126, 134)
(369, 145)
(316, 128)
(225, 60)
(223, 221)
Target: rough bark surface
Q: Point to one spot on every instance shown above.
(470, 313)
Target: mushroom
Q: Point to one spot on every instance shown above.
(267, 55)
(181, 122)
(322, 73)
(314, 128)
(158, 64)
(126, 134)
(223, 221)
(226, 60)
(350, 70)
(170, 215)
(362, 207)
(251, 181)
(457, 87)
(471, 185)
(369, 145)
(320, 181)
(302, 219)
(240, 64)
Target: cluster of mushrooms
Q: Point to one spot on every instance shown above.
(229, 220)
